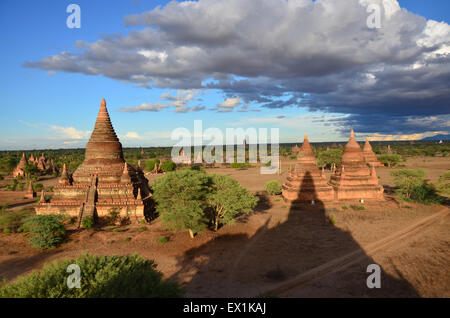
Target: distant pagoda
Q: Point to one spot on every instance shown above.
(19, 170)
(306, 182)
(104, 182)
(354, 179)
(369, 155)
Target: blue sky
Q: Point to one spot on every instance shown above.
(49, 104)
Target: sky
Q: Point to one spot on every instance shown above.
(298, 65)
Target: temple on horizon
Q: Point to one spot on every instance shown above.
(103, 183)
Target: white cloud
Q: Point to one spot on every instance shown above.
(131, 135)
(70, 132)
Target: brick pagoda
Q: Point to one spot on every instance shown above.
(354, 179)
(103, 183)
(369, 155)
(306, 182)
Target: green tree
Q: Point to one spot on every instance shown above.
(101, 277)
(31, 170)
(226, 199)
(390, 160)
(328, 157)
(180, 198)
(408, 179)
(413, 186)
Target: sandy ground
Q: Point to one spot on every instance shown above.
(278, 243)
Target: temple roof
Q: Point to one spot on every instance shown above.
(352, 151)
(367, 146)
(103, 143)
(306, 153)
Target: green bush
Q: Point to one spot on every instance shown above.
(87, 222)
(239, 165)
(13, 220)
(38, 187)
(358, 207)
(47, 231)
(163, 240)
(411, 185)
(168, 165)
(443, 184)
(273, 187)
(101, 277)
(150, 164)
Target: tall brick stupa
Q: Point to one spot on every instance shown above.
(103, 183)
(370, 156)
(306, 182)
(354, 179)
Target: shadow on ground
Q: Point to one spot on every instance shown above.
(242, 266)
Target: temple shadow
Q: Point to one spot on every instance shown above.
(286, 245)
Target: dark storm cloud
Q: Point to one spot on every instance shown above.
(275, 53)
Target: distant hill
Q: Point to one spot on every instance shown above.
(437, 137)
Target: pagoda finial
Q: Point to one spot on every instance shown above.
(103, 102)
(352, 134)
(139, 196)
(42, 200)
(125, 168)
(306, 136)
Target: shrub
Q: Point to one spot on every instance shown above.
(358, 207)
(101, 277)
(168, 165)
(239, 165)
(47, 231)
(38, 187)
(163, 240)
(273, 187)
(87, 222)
(344, 207)
(150, 164)
(13, 220)
(332, 219)
(443, 184)
(6, 231)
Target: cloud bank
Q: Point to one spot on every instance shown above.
(319, 55)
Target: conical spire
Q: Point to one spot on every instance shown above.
(352, 151)
(367, 146)
(42, 200)
(125, 174)
(306, 153)
(104, 143)
(139, 196)
(103, 130)
(23, 161)
(30, 187)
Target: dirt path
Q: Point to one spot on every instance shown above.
(347, 260)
